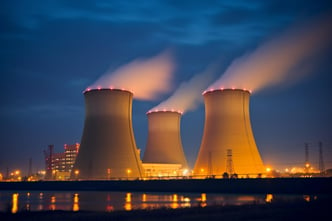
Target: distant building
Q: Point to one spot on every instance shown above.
(164, 171)
(59, 165)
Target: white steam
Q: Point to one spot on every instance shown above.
(189, 94)
(147, 79)
(279, 60)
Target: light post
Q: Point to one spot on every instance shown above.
(128, 173)
(109, 173)
(76, 172)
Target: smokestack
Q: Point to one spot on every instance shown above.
(164, 141)
(228, 127)
(108, 148)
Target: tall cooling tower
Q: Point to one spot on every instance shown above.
(228, 144)
(108, 148)
(164, 141)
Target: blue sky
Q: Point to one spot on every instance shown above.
(50, 51)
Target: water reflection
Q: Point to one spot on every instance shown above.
(110, 201)
(15, 203)
(269, 198)
(175, 203)
(128, 205)
(27, 207)
(76, 200)
(53, 201)
(203, 200)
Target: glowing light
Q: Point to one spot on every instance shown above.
(128, 172)
(306, 198)
(269, 198)
(14, 203)
(17, 172)
(175, 198)
(76, 172)
(99, 88)
(268, 169)
(143, 197)
(185, 172)
(128, 205)
(203, 197)
(76, 206)
(203, 200)
(175, 203)
(53, 199)
(307, 165)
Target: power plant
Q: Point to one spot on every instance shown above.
(227, 130)
(108, 148)
(164, 145)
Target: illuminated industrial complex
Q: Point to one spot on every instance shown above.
(108, 149)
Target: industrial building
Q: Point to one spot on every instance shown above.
(108, 148)
(59, 165)
(164, 143)
(164, 156)
(228, 144)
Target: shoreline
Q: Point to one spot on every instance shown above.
(280, 210)
(239, 186)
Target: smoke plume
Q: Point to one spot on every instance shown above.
(279, 60)
(189, 94)
(145, 78)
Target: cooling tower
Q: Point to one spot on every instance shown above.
(164, 141)
(108, 149)
(228, 144)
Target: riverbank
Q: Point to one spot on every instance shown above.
(316, 209)
(238, 186)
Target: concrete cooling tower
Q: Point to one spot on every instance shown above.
(228, 144)
(108, 149)
(164, 141)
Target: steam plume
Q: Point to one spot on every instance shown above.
(145, 78)
(278, 60)
(189, 94)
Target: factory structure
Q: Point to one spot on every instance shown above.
(58, 165)
(108, 149)
(228, 144)
(164, 154)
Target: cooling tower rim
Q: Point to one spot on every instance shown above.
(225, 89)
(164, 111)
(105, 89)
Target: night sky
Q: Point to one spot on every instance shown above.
(51, 51)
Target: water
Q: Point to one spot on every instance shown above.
(110, 201)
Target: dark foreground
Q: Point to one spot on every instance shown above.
(238, 186)
(318, 209)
